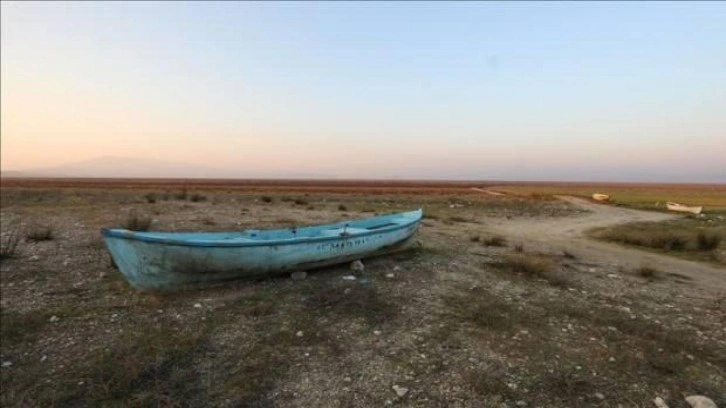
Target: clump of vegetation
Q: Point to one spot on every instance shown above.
(10, 240)
(196, 198)
(182, 194)
(358, 301)
(39, 233)
(495, 241)
(457, 218)
(136, 222)
(342, 207)
(708, 241)
(647, 272)
(150, 197)
(266, 199)
(475, 238)
(519, 248)
(535, 267)
(568, 255)
(300, 201)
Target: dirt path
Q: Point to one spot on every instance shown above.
(568, 233)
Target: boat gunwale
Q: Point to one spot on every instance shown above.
(135, 236)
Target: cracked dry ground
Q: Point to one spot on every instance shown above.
(464, 320)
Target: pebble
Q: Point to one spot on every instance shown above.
(377, 332)
(612, 275)
(390, 276)
(7, 363)
(658, 401)
(521, 403)
(699, 401)
(43, 358)
(611, 359)
(298, 276)
(599, 396)
(347, 379)
(300, 333)
(198, 305)
(349, 277)
(54, 319)
(357, 266)
(400, 391)
(396, 268)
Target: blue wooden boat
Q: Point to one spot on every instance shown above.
(163, 260)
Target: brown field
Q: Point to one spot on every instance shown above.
(504, 303)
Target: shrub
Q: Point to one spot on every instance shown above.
(266, 199)
(196, 198)
(300, 201)
(474, 238)
(708, 241)
(519, 248)
(342, 208)
(150, 198)
(182, 195)
(39, 233)
(647, 272)
(10, 240)
(136, 222)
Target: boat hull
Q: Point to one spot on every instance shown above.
(162, 265)
(684, 208)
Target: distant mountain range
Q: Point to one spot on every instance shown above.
(132, 167)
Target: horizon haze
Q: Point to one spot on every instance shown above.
(631, 92)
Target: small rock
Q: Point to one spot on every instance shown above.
(699, 401)
(357, 266)
(7, 363)
(400, 391)
(34, 258)
(658, 401)
(390, 276)
(349, 277)
(396, 268)
(197, 305)
(377, 332)
(300, 333)
(43, 358)
(298, 276)
(611, 359)
(612, 275)
(599, 396)
(54, 319)
(347, 379)
(521, 403)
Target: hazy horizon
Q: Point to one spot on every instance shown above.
(461, 91)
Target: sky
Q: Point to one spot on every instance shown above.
(572, 91)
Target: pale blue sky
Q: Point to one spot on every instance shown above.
(512, 90)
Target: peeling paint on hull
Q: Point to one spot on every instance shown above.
(161, 262)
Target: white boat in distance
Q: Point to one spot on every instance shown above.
(684, 208)
(600, 197)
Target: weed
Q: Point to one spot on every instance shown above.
(706, 241)
(342, 207)
(266, 199)
(39, 233)
(136, 222)
(361, 301)
(300, 201)
(150, 198)
(519, 248)
(457, 218)
(17, 327)
(474, 238)
(568, 255)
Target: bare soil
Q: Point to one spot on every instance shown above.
(540, 316)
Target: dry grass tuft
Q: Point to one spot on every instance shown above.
(496, 241)
(266, 199)
(342, 207)
(535, 267)
(708, 241)
(39, 233)
(648, 272)
(9, 240)
(197, 198)
(136, 222)
(150, 197)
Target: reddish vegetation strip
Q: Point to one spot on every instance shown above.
(365, 186)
